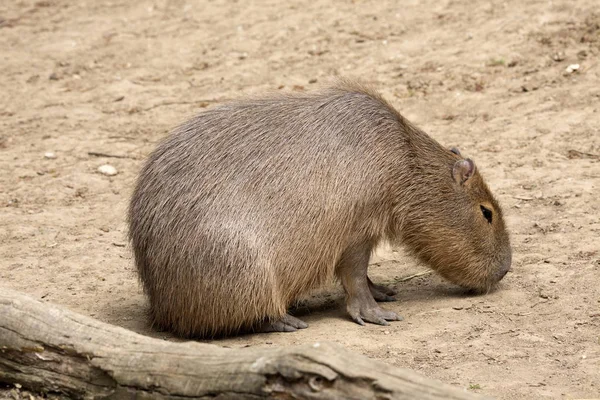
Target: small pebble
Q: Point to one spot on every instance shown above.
(107, 170)
(559, 56)
(49, 155)
(572, 68)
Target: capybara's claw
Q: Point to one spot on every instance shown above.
(391, 316)
(293, 321)
(379, 296)
(286, 324)
(388, 290)
(381, 292)
(378, 321)
(372, 314)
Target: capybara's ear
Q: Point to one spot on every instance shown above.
(463, 170)
(455, 150)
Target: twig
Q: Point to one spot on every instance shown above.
(378, 263)
(526, 198)
(580, 154)
(522, 314)
(97, 154)
(539, 302)
(504, 333)
(408, 278)
(122, 137)
(200, 103)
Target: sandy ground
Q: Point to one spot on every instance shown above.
(113, 77)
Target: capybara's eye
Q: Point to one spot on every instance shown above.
(487, 213)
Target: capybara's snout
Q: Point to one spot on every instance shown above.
(504, 267)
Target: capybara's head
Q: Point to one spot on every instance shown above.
(457, 228)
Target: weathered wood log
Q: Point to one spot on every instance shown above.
(50, 349)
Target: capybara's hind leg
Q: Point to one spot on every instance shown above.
(381, 292)
(360, 304)
(286, 324)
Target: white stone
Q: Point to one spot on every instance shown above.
(572, 68)
(107, 170)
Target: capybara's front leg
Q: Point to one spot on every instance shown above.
(360, 304)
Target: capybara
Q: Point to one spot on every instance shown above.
(251, 204)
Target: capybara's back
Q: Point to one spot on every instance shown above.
(253, 203)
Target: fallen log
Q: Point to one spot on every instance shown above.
(46, 348)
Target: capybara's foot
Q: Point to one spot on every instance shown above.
(286, 324)
(381, 292)
(361, 311)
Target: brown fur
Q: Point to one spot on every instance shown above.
(251, 204)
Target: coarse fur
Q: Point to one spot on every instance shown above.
(251, 204)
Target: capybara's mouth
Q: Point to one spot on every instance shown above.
(489, 287)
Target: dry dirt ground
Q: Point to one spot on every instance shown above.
(113, 77)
